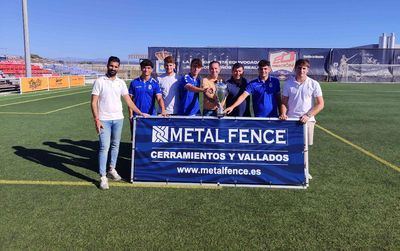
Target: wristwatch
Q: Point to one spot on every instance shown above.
(309, 114)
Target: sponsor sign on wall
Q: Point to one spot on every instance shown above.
(282, 63)
(77, 80)
(341, 65)
(58, 82)
(34, 84)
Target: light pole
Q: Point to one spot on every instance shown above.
(28, 69)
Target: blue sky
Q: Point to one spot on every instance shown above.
(96, 29)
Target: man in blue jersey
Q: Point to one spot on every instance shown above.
(144, 90)
(236, 86)
(190, 89)
(265, 91)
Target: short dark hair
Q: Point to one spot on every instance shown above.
(237, 66)
(263, 63)
(146, 62)
(214, 62)
(113, 59)
(196, 63)
(169, 60)
(302, 62)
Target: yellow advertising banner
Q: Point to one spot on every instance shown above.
(34, 84)
(58, 82)
(77, 80)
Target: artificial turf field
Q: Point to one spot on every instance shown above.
(49, 197)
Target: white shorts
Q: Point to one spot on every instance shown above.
(310, 132)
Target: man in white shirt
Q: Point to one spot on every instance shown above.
(302, 98)
(107, 113)
(169, 87)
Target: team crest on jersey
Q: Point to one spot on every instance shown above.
(149, 87)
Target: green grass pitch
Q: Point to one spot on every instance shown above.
(353, 201)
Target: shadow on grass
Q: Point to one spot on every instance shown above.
(82, 153)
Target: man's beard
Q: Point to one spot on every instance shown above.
(111, 73)
(238, 80)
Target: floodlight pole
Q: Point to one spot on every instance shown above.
(28, 69)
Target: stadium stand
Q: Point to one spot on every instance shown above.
(13, 67)
(70, 70)
(7, 85)
(16, 69)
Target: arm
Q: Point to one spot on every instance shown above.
(210, 93)
(318, 106)
(160, 101)
(131, 92)
(95, 112)
(133, 107)
(284, 108)
(211, 96)
(192, 88)
(129, 109)
(278, 101)
(240, 99)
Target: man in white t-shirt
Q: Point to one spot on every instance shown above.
(108, 117)
(169, 87)
(302, 98)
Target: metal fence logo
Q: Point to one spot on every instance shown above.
(195, 135)
(160, 134)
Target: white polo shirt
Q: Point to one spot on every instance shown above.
(301, 96)
(170, 92)
(110, 92)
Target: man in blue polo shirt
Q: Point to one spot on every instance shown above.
(236, 85)
(265, 91)
(190, 89)
(144, 90)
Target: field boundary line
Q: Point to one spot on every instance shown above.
(35, 94)
(24, 113)
(67, 107)
(365, 92)
(45, 113)
(33, 100)
(359, 148)
(111, 184)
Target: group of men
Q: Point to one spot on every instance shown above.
(301, 99)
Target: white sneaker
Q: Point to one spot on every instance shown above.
(112, 174)
(309, 176)
(104, 183)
